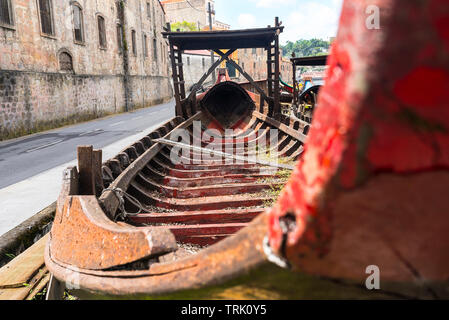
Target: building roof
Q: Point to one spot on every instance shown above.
(170, 1)
(310, 61)
(198, 52)
(314, 74)
(223, 39)
(219, 22)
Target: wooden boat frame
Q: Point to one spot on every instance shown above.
(343, 210)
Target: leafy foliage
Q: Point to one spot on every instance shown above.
(306, 48)
(184, 26)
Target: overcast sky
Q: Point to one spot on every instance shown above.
(303, 19)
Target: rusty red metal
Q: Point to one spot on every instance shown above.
(369, 190)
(82, 236)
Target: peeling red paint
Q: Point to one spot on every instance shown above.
(424, 87)
(384, 108)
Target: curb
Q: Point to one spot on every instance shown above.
(26, 234)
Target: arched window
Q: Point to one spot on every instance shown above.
(145, 46)
(119, 38)
(101, 32)
(65, 61)
(148, 10)
(155, 49)
(78, 23)
(133, 42)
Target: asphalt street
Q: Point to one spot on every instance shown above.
(31, 167)
(27, 156)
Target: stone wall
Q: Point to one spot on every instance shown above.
(286, 70)
(195, 11)
(196, 63)
(36, 94)
(149, 90)
(33, 101)
(254, 62)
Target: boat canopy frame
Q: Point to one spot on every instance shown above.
(304, 62)
(230, 40)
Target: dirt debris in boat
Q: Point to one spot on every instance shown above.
(191, 248)
(150, 209)
(277, 183)
(163, 224)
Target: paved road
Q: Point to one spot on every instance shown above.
(31, 167)
(25, 157)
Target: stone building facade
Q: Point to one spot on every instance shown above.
(195, 11)
(221, 25)
(286, 70)
(195, 65)
(254, 62)
(63, 61)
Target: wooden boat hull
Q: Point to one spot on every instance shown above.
(199, 204)
(368, 193)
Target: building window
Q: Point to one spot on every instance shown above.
(133, 42)
(254, 50)
(243, 65)
(154, 15)
(46, 17)
(65, 61)
(188, 61)
(119, 9)
(6, 12)
(78, 28)
(203, 62)
(148, 10)
(155, 49)
(254, 65)
(101, 32)
(145, 46)
(162, 52)
(119, 38)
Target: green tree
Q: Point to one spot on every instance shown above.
(306, 48)
(184, 26)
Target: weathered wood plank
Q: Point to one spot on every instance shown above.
(197, 85)
(292, 132)
(86, 175)
(39, 286)
(108, 198)
(22, 270)
(97, 156)
(199, 217)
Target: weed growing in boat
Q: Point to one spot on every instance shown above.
(276, 183)
(10, 255)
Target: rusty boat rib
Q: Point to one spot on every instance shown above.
(140, 225)
(186, 210)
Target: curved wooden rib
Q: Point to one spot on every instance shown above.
(83, 236)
